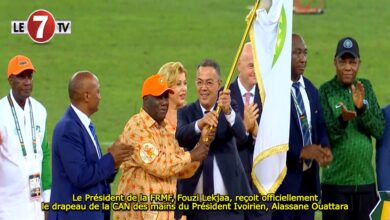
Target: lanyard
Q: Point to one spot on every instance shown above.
(302, 116)
(300, 111)
(18, 127)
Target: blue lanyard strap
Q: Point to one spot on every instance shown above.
(34, 142)
(302, 114)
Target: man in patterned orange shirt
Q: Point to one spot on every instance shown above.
(157, 160)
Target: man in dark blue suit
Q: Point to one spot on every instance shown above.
(383, 154)
(245, 92)
(79, 167)
(309, 143)
(222, 171)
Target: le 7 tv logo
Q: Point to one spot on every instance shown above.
(41, 26)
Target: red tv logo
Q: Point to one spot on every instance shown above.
(41, 26)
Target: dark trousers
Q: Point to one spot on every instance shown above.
(361, 201)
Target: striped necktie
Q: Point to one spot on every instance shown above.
(92, 129)
(304, 123)
(99, 153)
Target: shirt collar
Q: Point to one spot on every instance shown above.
(301, 82)
(17, 106)
(149, 121)
(243, 90)
(341, 84)
(203, 109)
(85, 120)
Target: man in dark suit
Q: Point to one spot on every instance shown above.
(309, 143)
(222, 171)
(383, 154)
(79, 167)
(245, 92)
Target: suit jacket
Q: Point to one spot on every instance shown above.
(223, 148)
(245, 150)
(383, 154)
(77, 169)
(297, 181)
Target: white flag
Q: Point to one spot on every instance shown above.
(271, 42)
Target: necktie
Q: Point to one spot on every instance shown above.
(247, 97)
(302, 115)
(304, 123)
(208, 180)
(92, 129)
(99, 153)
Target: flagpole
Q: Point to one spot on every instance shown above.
(252, 16)
(240, 48)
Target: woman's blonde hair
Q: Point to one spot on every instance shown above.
(170, 72)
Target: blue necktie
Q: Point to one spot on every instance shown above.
(304, 123)
(92, 129)
(99, 152)
(302, 115)
(208, 180)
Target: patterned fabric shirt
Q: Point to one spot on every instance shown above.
(350, 141)
(171, 128)
(155, 165)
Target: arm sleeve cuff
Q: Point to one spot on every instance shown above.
(197, 130)
(342, 122)
(362, 110)
(187, 157)
(46, 195)
(231, 117)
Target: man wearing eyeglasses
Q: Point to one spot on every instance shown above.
(222, 171)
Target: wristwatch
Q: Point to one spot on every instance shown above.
(365, 104)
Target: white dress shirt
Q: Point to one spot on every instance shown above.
(243, 91)
(219, 186)
(306, 103)
(86, 121)
(305, 100)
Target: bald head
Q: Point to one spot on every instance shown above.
(84, 91)
(298, 57)
(246, 52)
(297, 37)
(245, 67)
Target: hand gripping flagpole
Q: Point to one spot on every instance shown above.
(252, 17)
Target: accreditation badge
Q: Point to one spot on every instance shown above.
(148, 152)
(34, 181)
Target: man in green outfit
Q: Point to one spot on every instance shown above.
(352, 116)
